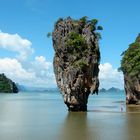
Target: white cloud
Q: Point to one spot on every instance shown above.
(110, 77)
(15, 43)
(41, 76)
(13, 69)
(37, 72)
(41, 63)
(43, 70)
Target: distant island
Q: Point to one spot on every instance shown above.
(23, 88)
(112, 89)
(7, 85)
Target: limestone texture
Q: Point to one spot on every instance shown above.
(76, 60)
(130, 65)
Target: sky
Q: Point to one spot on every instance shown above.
(26, 54)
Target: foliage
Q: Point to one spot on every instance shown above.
(76, 44)
(76, 41)
(93, 25)
(99, 28)
(6, 85)
(94, 22)
(130, 62)
(81, 64)
(49, 34)
(83, 20)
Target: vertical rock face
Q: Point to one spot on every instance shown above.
(130, 65)
(76, 60)
(7, 85)
(132, 89)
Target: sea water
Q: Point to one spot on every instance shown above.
(44, 116)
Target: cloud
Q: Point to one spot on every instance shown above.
(13, 69)
(43, 70)
(15, 43)
(41, 76)
(37, 72)
(41, 66)
(40, 61)
(110, 77)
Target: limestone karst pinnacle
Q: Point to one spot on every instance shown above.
(76, 60)
(130, 65)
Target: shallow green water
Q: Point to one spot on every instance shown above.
(43, 116)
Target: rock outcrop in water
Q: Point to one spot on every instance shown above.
(76, 60)
(7, 85)
(130, 65)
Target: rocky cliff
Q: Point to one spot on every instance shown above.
(76, 60)
(130, 65)
(7, 85)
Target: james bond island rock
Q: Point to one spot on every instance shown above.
(130, 65)
(7, 85)
(76, 60)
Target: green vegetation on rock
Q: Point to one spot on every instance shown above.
(76, 60)
(6, 85)
(130, 63)
(49, 34)
(81, 64)
(76, 41)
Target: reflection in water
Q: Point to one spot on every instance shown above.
(133, 109)
(94, 126)
(133, 122)
(75, 127)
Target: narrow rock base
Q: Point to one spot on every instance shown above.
(77, 108)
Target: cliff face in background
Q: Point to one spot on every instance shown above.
(130, 65)
(76, 60)
(6, 85)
